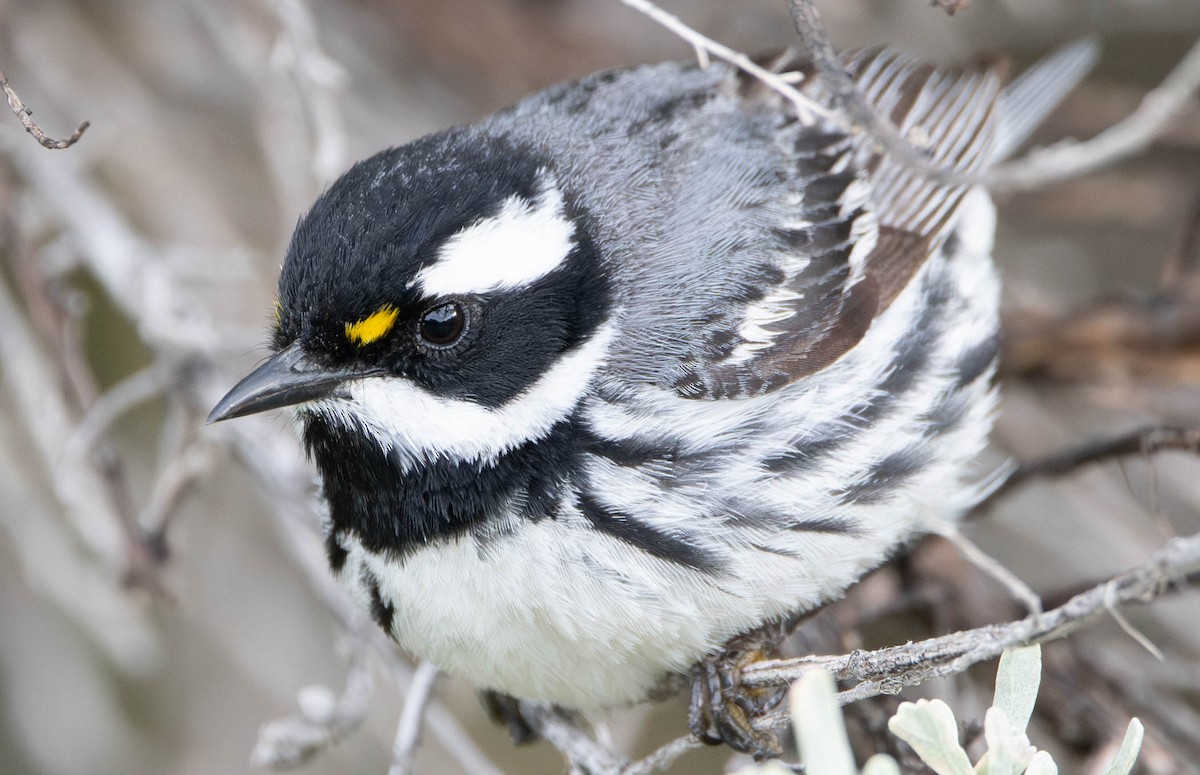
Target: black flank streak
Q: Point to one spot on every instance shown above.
(975, 361)
(381, 612)
(775, 520)
(646, 538)
(630, 453)
(663, 460)
(947, 413)
(334, 552)
(910, 360)
(951, 245)
(882, 479)
(827, 525)
(808, 451)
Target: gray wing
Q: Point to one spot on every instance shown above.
(861, 227)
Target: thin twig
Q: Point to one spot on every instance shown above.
(111, 406)
(990, 566)
(1134, 134)
(664, 757)
(803, 104)
(180, 474)
(565, 733)
(1143, 441)
(24, 115)
(442, 723)
(887, 670)
(408, 731)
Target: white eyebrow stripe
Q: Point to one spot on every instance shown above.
(521, 243)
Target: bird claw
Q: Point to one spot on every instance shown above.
(722, 710)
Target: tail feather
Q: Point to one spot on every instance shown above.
(1029, 99)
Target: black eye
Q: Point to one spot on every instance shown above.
(443, 325)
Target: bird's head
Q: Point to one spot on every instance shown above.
(444, 299)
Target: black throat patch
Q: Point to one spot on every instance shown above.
(393, 511)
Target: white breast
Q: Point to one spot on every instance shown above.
(556, 611)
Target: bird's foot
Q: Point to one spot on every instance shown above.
(722, 710)
(505, 710)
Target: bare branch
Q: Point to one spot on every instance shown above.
(1143, 441)
(887, 670)
(323, 720)
(408, 731)
(24, 115)
(1070, 159)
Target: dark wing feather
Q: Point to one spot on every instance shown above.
(864, 226)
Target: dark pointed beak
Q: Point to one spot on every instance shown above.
(286, 379)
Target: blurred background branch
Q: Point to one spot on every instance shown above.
(166, 581)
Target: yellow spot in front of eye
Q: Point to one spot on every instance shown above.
(373, 327)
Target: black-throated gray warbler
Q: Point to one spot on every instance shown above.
(643, 363)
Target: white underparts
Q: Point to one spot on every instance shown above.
(523, 242)
(418, 425)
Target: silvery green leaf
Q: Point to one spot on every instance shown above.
(881, 764)
(929, 727)
(1130, 746)
(1008, 748)
(1041, 764)
(1017, 681)
(820, 732)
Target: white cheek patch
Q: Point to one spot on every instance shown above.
(419, 426)
(523, 242)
